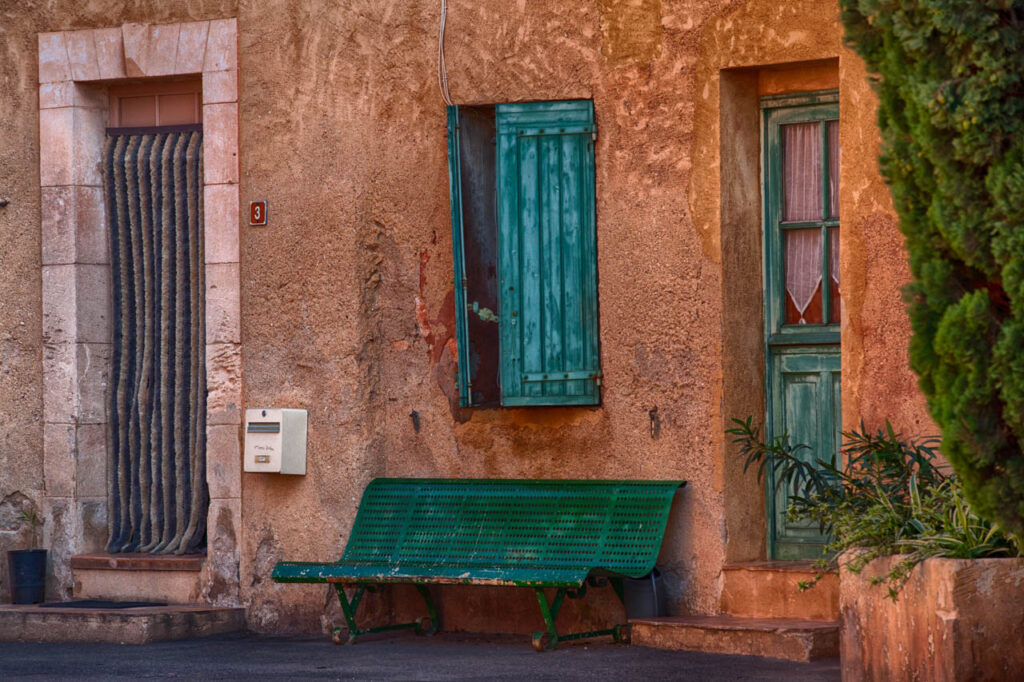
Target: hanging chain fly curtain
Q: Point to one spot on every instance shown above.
(157, 397)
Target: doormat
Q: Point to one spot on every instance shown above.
(100, 604)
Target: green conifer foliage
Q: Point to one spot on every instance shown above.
(950, 78)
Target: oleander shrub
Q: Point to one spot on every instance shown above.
(889, 496)
(950, 79)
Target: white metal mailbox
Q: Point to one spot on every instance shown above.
(275, 441)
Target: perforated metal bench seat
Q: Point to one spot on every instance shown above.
(526, 533)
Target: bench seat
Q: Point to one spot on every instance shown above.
(562, 534)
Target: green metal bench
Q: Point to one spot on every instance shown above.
(560, 534)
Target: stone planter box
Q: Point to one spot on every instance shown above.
(956, 619)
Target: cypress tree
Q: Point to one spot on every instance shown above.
(950, 79)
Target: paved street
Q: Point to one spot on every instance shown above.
(445, 657)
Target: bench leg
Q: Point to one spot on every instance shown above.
(432, 617)
(546, 641)
(349, 608)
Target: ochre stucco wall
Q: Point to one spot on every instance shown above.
(347, 305)
(380, 254)
(954, 619)
(21, 386)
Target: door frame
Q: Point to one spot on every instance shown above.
(76, 70)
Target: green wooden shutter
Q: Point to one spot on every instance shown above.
(458, 258)
(547, 254)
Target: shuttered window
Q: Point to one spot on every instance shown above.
(533, 199)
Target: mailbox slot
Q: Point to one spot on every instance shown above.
(275, 441)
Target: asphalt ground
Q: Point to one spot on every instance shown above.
(442, 657)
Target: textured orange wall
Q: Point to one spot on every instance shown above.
(374, 268)
(955, 619)
(347, 295)
(877, 381)
(798, 77)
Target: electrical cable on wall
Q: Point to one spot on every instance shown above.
(442, 70)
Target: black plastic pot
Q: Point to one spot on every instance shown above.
(28, 575)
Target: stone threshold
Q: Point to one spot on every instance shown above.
(138, 561)
(778, 566)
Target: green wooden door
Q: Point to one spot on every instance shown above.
(803, 305)
(805, 404)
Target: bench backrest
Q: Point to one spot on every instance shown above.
(612, 525)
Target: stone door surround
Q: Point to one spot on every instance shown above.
(75, 69)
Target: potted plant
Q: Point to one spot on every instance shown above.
(27, 567)
(898, 517)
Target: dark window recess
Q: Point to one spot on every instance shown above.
(477, 144)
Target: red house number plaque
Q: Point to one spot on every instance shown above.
(257, 212)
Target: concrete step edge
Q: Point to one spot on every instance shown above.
(782, 638)
(140, 625)
(136, 611)
(729, 622)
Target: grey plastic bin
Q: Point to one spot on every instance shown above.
(645, 597)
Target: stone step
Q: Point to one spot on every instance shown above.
(137, 577)
(139, 625)
(770, 589)
(791, 639)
